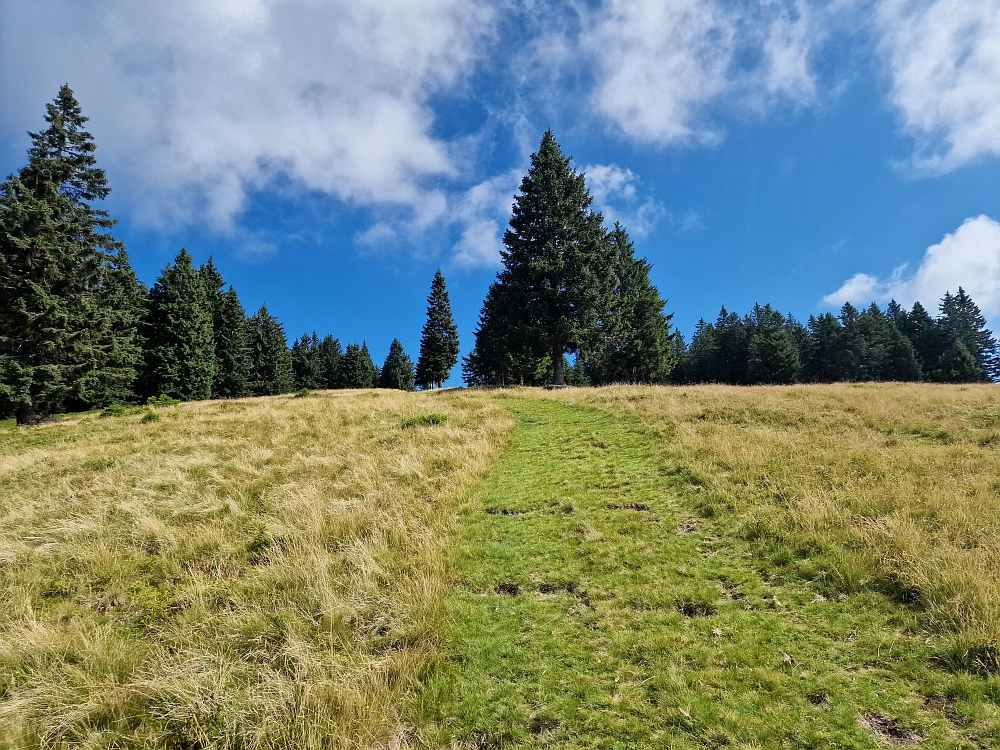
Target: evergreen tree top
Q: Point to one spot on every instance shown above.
(63, 153)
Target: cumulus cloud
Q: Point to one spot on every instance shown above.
(197, 103)
(616, 195)
(659, 63)
(968, 258)
(944, 62)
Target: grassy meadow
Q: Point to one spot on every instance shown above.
(624, 567)
(239, 574)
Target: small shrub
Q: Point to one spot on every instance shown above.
(426, 420)
(162, 401)
(304, 393)
(149, 417)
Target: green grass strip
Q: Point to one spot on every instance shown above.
(596, 608)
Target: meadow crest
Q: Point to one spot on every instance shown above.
(893, 486)
(256, 573)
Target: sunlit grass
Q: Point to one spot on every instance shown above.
(257, 573)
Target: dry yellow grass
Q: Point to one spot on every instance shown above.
(898, 484)
(261, 573)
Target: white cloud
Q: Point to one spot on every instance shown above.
(944, 60)
(660, 63)
(968, 258)
(197, 103)
(616, 195)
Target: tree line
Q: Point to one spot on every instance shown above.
(765, 346)
(79, 330)
(571, 286)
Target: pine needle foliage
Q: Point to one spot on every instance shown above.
(68, 318)
(180, 341)
(270, 361)
(439, 339)
(397, 371)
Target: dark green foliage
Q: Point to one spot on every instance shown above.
(827, 357)
(439, 338)
(178, 331)
(958, 365)
(330, 355)
(555, 259)
(886, 354)
(232, 354)
(229, 331)
(773, 351)
(635, 344)
(961, 320)
(307, 363)
(162, 401)
(503, 354)
(397, 371)
(928, 340)
(270, 360)
(357, 369)
(67, 323)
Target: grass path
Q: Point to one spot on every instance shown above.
(596, 608)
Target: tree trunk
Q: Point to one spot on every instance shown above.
(557, 368)
(25, 414)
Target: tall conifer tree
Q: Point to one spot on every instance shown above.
(65, 281)
(232, 354)
(357, 369)
(330, 356)
(307, 363)
(228, 334)
(961, 320)
(555, 258)
(397, 371)
(635, 345)
(179, 336)
(439, 338)
(270, 360)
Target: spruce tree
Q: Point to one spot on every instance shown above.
(887, 353)
(307, 363)
(65, 281)
(330, 355)
(732, 349)
(357, 369)
(179, 336)
(123, 297)
(232, 353)
(555, 258)
(961, 320)
(503, 354)
(397, 371)
(229, 332)
(270, 360)
(928, 339)
(439, 338)
(773, 354)
(635, 343)
(958, 365)
(827, 358)
(370, 368)
(698, 362)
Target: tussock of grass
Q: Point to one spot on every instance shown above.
(252, 574)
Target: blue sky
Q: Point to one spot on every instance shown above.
(331, 155)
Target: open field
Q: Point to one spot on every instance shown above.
(806, 566)
(255, 573)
